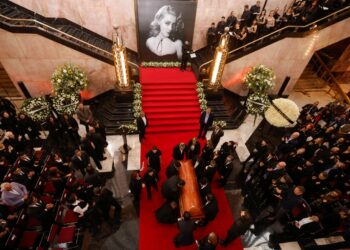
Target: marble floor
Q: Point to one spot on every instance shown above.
(240, 135)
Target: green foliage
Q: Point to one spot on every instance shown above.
(260, 79)
(69, 79)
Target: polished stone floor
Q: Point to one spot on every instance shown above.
(127, 236)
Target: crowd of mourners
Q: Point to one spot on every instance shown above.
(303, 182)
(255, 22)
(49, 186)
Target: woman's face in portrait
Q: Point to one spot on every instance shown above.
(166, 24)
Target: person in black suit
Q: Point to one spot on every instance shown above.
(239, 227)
(204, 188)
(209, 242)
(104, 202)
(211, 37)
(135, 187)
(205, 121)
(80, 161)
(210, 208)
(221, 26)
(167, 213)
(150, 179)
(171, 188)
(154, 157)
(216, 135)
(41, 211)
(142, 124)
(225, 170)
(179, 151)
(193, 149)
(186, 226)
(173, 168)
(186, 51)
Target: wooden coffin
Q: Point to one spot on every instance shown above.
(190, 199)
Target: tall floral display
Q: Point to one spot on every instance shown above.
(259, 81)
(67, 81)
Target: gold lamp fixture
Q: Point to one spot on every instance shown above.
(120, 60)
(218, 64)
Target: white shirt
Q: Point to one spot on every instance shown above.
(206, 118)
(144, 120)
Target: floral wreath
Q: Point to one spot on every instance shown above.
(36, 108)
(65, 103)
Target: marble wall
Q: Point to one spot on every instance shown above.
(287, 57)
(209, 11)
(96, 15)
(33, 58)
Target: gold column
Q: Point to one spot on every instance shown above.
(218, 64)
(120, 60)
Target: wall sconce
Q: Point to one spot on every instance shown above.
(218, 64)
(120, 60)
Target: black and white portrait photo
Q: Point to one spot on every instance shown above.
(163, 28)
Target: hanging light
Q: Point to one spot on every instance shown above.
(120, 60)
(218, 64)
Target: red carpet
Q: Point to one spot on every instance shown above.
(171, 105)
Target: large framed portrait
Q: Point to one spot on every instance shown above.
(163, 27)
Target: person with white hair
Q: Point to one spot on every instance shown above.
(161, 41)
(13, 194)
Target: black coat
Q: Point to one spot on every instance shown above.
(177, 155)
(81, 164)
(171, 170)
(211, 209)
(215, 137)
(141, 126)
(185, 236)
(210, 119)
(166, 214)
(170, 190)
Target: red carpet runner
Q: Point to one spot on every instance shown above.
(171, 105)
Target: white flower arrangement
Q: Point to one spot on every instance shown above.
(260, 79)
(220, 123)
(201, 96)
(65, 103)
(257, 103)
(36, 108)
(162, 64)
(128, 128)
(288, 107)
(69, 79)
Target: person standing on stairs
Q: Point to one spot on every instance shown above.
(186, 51)
(205, 121)
(142, 124)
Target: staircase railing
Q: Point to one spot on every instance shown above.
(325, 74)
(33, 23)
(278, 33)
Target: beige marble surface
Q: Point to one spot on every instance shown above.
(287, 57)
(98, 16)
(33, 58)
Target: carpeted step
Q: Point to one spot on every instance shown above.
(180, 128)
(172, 122)
(177, 115)
(166, 92)
(168, 98)
(166, 75)
(175, 104)
(155, 87)
(175, 110)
